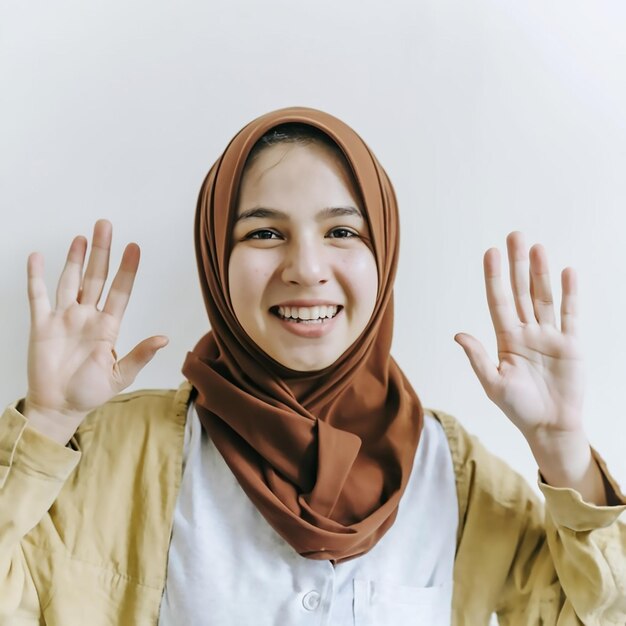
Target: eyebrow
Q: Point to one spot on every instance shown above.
(328, 212)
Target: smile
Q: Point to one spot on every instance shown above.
(306, 315)
(309, 322)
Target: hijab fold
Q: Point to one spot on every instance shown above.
(325, 456)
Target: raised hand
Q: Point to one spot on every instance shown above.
(72, 364)
(538, 381)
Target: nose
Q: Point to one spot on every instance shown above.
(305, 263)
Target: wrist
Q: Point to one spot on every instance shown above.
(560, 450)
(55, 425)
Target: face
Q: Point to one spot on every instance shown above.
(303, 281)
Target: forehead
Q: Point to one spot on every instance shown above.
(291, 170)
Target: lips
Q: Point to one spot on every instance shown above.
(308, 328)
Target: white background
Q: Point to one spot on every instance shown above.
(489, 116)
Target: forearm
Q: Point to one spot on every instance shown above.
(33, 470)
(566, 460)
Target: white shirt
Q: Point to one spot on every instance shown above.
(228, 567)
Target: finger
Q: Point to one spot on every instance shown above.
(98, 265)
(122, 284)
(138, 358)
(38, 301)
(482, 365)
(518, 272)
(569, 302)
(540, 288)
(69, 281)
(500, 310)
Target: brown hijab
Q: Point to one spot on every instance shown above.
(325, 456)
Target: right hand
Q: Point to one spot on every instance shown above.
(72, 364)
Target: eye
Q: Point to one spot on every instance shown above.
(344, 233)
(261, 234)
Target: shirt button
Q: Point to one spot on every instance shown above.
(311, 600)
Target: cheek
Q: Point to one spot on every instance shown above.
(360, 274)
(248, 273)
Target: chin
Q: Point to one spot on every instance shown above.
(309, 366)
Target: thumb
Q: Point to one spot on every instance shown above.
(138, 358)
(484, 369)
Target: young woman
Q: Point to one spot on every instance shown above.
(294, 477)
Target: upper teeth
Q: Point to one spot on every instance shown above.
(308, 312)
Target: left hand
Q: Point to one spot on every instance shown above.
(538, 381)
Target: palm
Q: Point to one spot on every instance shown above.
(78, 343)
(539, 379)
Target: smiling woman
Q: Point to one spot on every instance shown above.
(294, 477)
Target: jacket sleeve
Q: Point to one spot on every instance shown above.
(561, 562)
(588, 545)
(33, 470)
(570, 561)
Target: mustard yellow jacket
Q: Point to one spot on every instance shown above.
(85, 529)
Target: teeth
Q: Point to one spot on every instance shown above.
(307, 313)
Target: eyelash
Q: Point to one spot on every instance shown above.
(265, 230)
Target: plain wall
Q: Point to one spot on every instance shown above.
(489, 116)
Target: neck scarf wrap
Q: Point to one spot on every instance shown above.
(324, 456)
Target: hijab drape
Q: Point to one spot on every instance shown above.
(325, 456)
